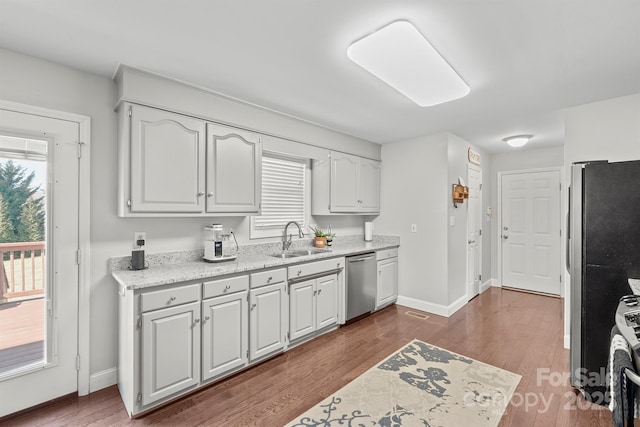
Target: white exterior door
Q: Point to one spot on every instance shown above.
(54, 374)
(530, 231)
(474, 231)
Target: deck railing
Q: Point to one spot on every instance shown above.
(22, 273)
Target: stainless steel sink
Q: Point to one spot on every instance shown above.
(300, 252)
(284, 255)
(305, 252)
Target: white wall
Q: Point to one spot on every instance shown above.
(606, 130)
(41, 83)
(416, 189)
(518, 159)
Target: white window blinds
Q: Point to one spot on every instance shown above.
(283, 185)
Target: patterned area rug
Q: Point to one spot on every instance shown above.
(420, 385)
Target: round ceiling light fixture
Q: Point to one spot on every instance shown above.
(517, 140)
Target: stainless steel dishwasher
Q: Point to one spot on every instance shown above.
(361, 284)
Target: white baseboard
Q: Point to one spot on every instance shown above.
(486, 285)
(567, 341)
(429, 307)
(103, 379)
(495, 283)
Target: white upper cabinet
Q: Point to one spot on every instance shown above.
(369, 184)
(167, 162)
(175, 165)
(233, 170)
(345, 184)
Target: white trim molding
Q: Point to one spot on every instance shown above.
(103, 379)
(567, 341)
(429, 307)
(486, 285)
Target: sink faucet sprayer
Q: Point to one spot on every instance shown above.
(286, 243)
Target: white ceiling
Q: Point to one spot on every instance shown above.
(524, 60)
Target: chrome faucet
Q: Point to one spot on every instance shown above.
(287, 242)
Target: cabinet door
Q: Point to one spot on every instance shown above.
(268, 315)
(234, 177)
(167, 162)
(369, 180)
(302, 309)
(387, 286)
(327, 301)
(170, 351)
(225, 334)
(344, 182)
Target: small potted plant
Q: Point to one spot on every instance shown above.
(320, 238)
(329, 236)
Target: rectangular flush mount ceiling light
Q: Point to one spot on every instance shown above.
(401, 57)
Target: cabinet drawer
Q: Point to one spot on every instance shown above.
(315, 267)
(155, 300)
(268, 277)
(387, 253)
(225, 286)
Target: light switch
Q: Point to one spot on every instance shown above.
(414, 228)
(452, 221)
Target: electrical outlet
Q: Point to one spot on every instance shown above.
(414, 228)
(139, 235)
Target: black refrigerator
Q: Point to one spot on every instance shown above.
(603, 252)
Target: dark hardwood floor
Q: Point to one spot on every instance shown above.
(520, 332)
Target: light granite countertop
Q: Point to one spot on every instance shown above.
(174, 267)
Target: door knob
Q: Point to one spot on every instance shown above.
(505, 228)
(505, 237)
(471, 241)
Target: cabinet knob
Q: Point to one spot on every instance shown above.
(299, 272)
(253, 306)
(209, 194)
(315, 293)
(172, 299)
(206, 318)
(319, 290)
(200, 194)
(197, 320)
(269, 279)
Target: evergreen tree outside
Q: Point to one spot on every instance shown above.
(31, 225)
(6, 228)
(20, 203)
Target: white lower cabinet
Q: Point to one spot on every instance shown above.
(313, 305)
(387, 283)
(268, 319)
(170, 351)
(225, 334)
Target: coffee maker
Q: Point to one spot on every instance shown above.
(213, 237)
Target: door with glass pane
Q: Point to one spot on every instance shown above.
(38, 245)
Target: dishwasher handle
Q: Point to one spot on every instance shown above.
(360, 259)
